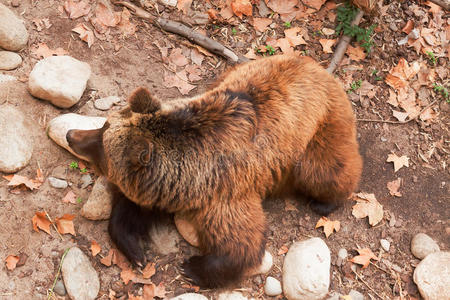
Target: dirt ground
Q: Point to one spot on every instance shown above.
(120, 64)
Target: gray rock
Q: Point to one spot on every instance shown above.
(190, 296)
(422, 245)
(306, 270)
(60, 289)
(86, 180)
(58, 127)
(355, 295)
(80, 278)
(106, 103)
(98, 205)
(9, 60)
(231, 296)
(385, 244)
(272, 287)
(60, 172)
(57, 183)
(16, 144)
(13, 34)
(342, 257)
(59, 79)
(432, 276)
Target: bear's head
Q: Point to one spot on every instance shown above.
(124, 145)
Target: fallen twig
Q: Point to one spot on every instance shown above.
(342, 45)
(399, 122)
(368, 286)
(50, 290)
(184, 31)
(53, 224)
(445, 4)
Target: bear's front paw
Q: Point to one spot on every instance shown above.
(192, 269)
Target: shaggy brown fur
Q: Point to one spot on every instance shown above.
(275, 126)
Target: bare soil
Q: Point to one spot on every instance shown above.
(119, 65)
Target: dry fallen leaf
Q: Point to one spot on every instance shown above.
(127, 275)
(356, 53)
(242, 7)
(399, 162)
(428, 114)
(409, 26)
(125, 25)
(261, 24)
(16, 180)
(283, 250)
(367, 206)
(401, 73)
(11, 262)
(76, 9)
(328, 226)
(178, 80)
(70, 197)
(194, 72)
(317, 4)
(282, 6)
(149, 271)
(95, 248)
(104, 17)
(107, 260)
(40, 221)
(394, 186)
(86, 34)
(327, 44)
(65, 224)
(295, 36)
(196, 57)
(400, 116)
(184, 5)
(176, 57)
(364, 257)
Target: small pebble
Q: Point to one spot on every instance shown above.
(106, 103)
(383, 139)
(422, 245)
(355, 295)
(9, 60)
(60, 289)
(57, 183)
(86, 180)
(342, 256)
(272, 287)
(385, 244)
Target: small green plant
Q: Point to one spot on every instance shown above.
(233, 31)
(270, 50)
(440, 89)
(287, 24)
(377, 77)
(431, 58)
(84, 170)
(73, 165)
(345, 15)
(355, 85)
(79, 200)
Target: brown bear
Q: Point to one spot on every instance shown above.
(276, 126)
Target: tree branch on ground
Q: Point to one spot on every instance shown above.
(184, 31)
(445, 4)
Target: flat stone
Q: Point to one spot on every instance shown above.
(306, 270)
(99, 204)
(272, 287)
(60, 172)
(80, 278)
(106, 103)
(86, 180)
(59, 288)
(58, 127)
(231, 296)
(15, 140)
(59, 79)
(57, 183)
(190, 296)
(432, 276)
(9, 60)
(13, 34)
(422, 245)
(385, 244)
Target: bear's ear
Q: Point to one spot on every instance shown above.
(142, 102)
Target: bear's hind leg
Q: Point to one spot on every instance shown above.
(232, 240)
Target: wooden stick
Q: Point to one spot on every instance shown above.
(342, 45)
(445, 4)
(184, 31)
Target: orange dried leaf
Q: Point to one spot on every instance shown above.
(65, 224)
(106, 16)
(95, 248)
(127, 275)
(184, 5)
(17, 180)
(176, 57)
(107, 260)
(367, 206)
(356, 53)
(317, 4)
(86, 34)
(409, 26)
(364, 257)
(283, 250)
(149, 270)
(400, 116)
(125, 25)
(261, 24)
(399, 162)
(40, 221)
(178, 80)
(327, 44)
(242, 7)
(328, 226)
(76, 9)
(11, 262)
(295, 36)
(70, 197)
(394, 186)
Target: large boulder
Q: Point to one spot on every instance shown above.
(13, 34)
